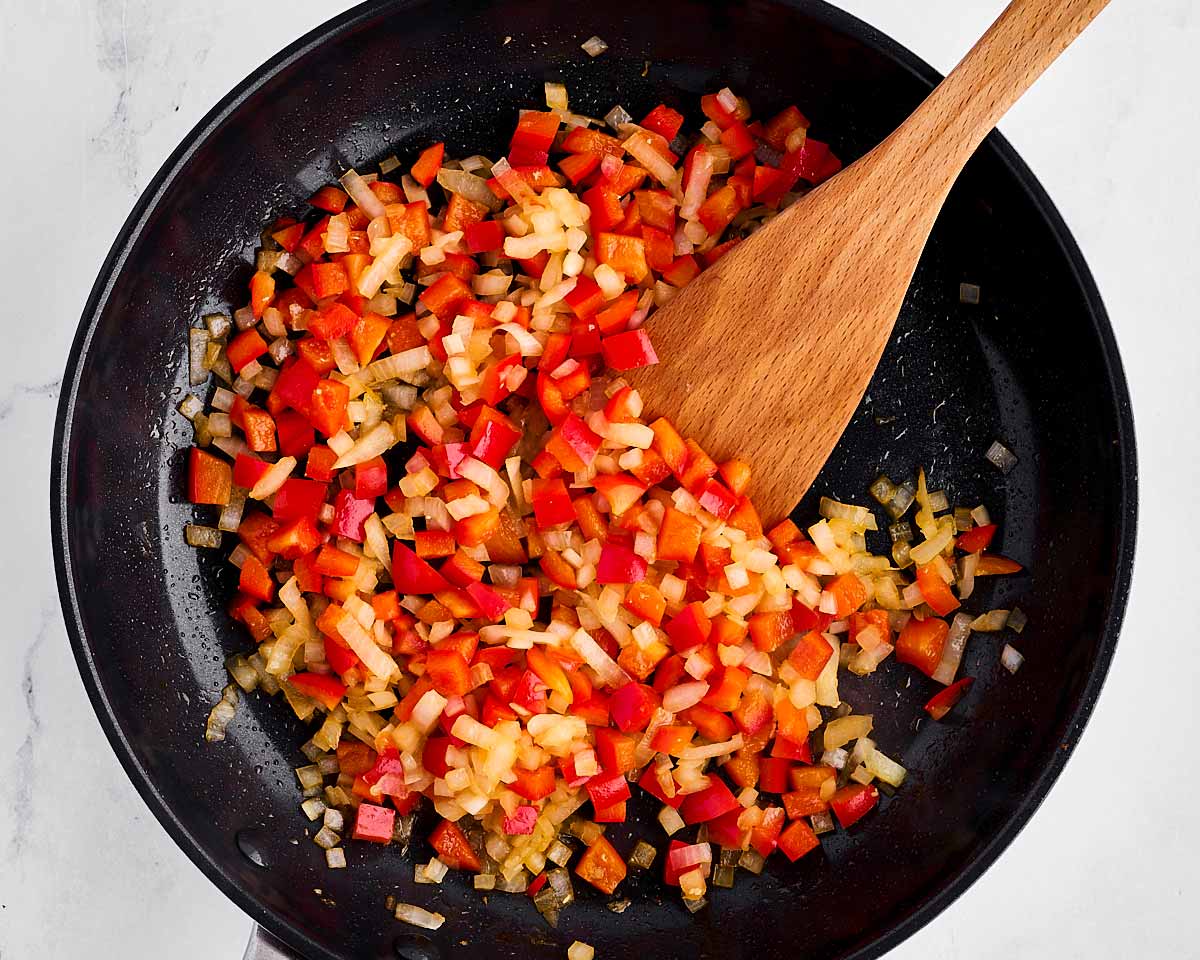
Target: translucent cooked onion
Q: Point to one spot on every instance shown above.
(736, 742)
(471, 187)
(374, 443)
(273, 478)
(952, 652)
(684, 695)
(385, 264)
(418, 917)
(361, 193)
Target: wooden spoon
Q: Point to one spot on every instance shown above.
(769, 351)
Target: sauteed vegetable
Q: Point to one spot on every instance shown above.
(499, 586)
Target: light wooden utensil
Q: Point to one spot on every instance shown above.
(767, 353)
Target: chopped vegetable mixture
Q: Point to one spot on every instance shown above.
(494, 582)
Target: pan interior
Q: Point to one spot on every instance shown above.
(1033, 365)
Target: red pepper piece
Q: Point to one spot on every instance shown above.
(453, 848)
(322, 687)
(413, 575)
(851, 803)
(349, 515)
(210, 479)
(708, 804)
(944, 701)
(633, 705)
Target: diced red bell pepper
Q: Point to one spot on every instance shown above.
(645, 601)
(810, 655)
(296, 383)
(717, 499)
(259, 427)
(299, 498)
(245, 348)
(792, 749)
(210, 479)
(485, 236)
(679, 536)
(773, 775)
(332, 562)
(370, 479)
(577, 167)
(532, 139)
(619, 564)
(633, 705)
(256, 531)
(664, 121)
(649, 782)
(529, 693)
(689, 628)
(765, 837)
(601, 866)
(551, 503)
(797, 840)
(453, 848)
(255, 580)
(424, 171)
(332, 321)
(320, 686)
(262, 292)
(585, 299)
(849, 592)
(725, 832)
(976, 539)
(738, 140)
(350, 515)
(626, 255)
(944, 701)
(374, 823)
(319, 465)
(533, 784)
(607, 788)
(935, 590)
(777, 129)
(991, 564)
(611, 814)
(605, 204)
(444, 296)
(491, 604)
(296, 539)
(921, 644)
(448, 672)
(327, 406)
(616, 751)
(296, 434)
(708, 804)
(719, 209)
(671, 738)
(854, 801)
(412, 575)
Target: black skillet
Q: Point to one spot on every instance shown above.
(1034, 365)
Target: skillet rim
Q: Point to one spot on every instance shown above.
(115, 262)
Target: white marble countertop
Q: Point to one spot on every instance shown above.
(97, 93)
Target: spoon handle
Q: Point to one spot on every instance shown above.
(1026, 38)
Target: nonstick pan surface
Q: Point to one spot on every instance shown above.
(1033, 365)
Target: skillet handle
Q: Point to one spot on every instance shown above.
(263, 946)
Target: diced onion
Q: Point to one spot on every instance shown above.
(1010, 658)
(952, 652)
(273, 478)
(713, 749)
(361, 193)
(418, 917)
(684, 695)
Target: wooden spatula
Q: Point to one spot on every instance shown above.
(767, 353)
